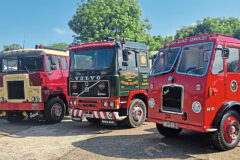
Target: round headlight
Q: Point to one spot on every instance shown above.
(111, 104)
(1, 99)
(70, 102)
(151, 102)
(33, 98)
(38, 99)
(105, 104)
(196, 107)
(110, 115)
(74, 103)
(74, 86)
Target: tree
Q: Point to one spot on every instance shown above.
(96, 19)
(13, 46)
(229, 26)
(59, 45)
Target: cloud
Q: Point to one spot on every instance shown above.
(194, 24)
(59, 31)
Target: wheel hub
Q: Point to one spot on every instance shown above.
(231, 129)
(57, 110)
(137, 113)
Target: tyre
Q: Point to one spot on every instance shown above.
(136, 113)
(14, 117)
(228, 135)
(93, 120)
(54, 110)
(168, 132)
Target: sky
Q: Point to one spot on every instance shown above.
(31, 22)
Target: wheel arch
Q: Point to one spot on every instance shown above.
(231, 105)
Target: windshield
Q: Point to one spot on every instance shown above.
(195, 59)
(23, 63)
(100, 59)
(165, 61)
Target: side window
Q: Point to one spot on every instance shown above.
(143, 61)
(64, 63)
(233, 60)
(217, 66)
(54, 62)
(132, 60)
(48, 63)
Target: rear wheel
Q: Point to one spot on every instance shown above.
(14, 117)
(136, 114)
(168, 132)
(228, 134)
(54, 110)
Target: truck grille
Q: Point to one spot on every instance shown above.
(172, 97)
(92, 89)
(15, 90)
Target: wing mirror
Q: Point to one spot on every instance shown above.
(225, 53)
(125, 55)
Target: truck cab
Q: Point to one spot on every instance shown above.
(33, 83)
(108, 82)
(194, 85)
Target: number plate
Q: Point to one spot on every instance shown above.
(78, 119)
(87, 115)
(170, 124)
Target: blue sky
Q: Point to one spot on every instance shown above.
(45, 21)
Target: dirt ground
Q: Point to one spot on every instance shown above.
(73, 140)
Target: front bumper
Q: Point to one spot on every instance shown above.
(96, 114)
(25, 106)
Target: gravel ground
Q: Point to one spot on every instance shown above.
(72, 141)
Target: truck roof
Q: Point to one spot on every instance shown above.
(127, 44)
(34, 51)
(200, 39)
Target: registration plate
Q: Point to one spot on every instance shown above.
(78, 119)
(88, 115)
(170, 124)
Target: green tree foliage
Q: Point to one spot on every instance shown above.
(59, 45)
(13, 46)
(229, 26)
(96, 19)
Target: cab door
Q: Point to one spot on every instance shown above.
(129, 77)
(232, 78)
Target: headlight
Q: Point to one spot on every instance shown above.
(151, 102)
(105, 104)
(196, 107)
(74, 103)
(1, 99)
(111, 104)
(70, 102)
(33, 99)
(101, 86)
(74, 86)
(38, 99)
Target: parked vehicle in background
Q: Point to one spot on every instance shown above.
(194, 85)
(108, 82)
(33, 82)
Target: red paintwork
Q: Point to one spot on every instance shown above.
(21, 106)
(53, 83)
(92, 45)
(220, 84)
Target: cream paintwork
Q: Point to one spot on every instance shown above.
(46, 51)
(29, 91)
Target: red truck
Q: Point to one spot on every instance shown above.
(194, 85)
(108, 82)
(33, 83)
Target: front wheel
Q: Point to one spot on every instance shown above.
(137, 113)
(168, 132)
(54, 110)
(228, 134)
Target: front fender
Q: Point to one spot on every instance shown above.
(223, 109)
